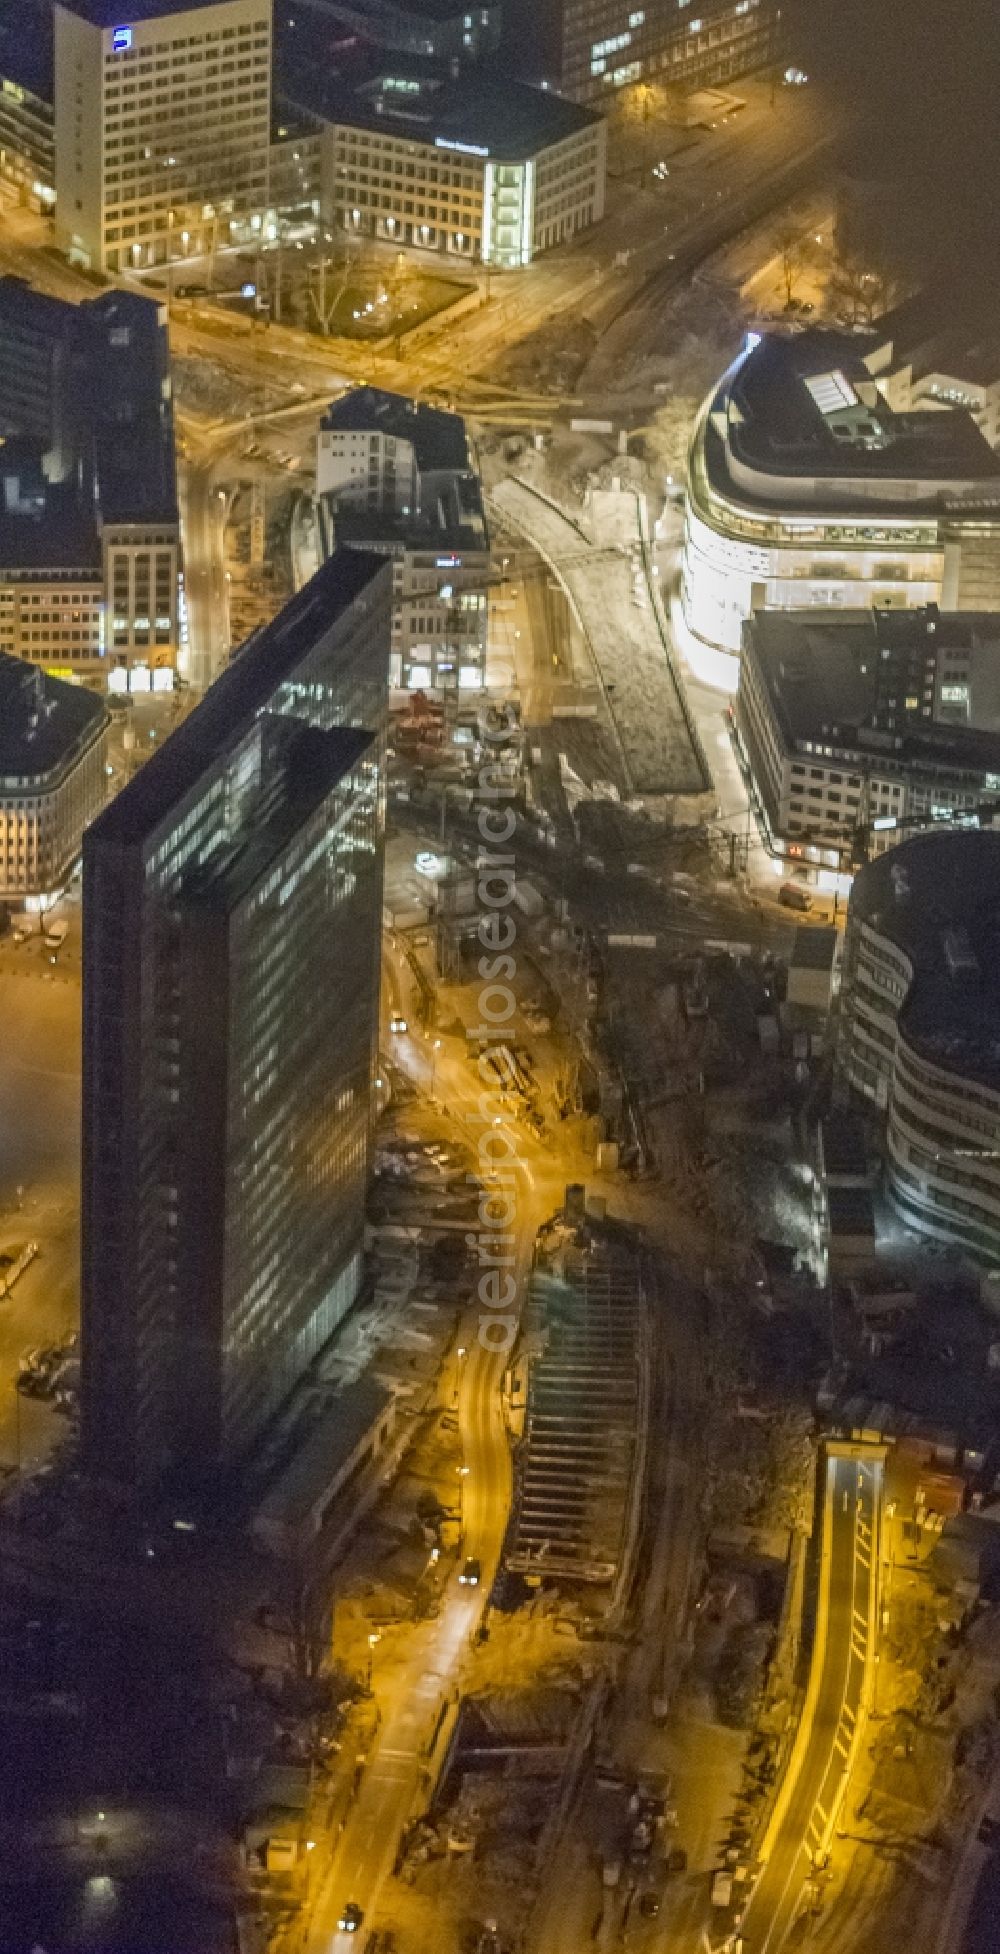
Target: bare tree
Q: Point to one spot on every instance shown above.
(790, 245)
(865, 284)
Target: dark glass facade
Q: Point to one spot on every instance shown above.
(232, 910)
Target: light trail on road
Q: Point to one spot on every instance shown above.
(837, 1699)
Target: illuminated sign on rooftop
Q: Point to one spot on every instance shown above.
(466, 148)
(121, 39)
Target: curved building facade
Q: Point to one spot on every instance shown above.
(805, 488)
(920, 1028)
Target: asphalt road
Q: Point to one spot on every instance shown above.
(834, 1704)
(412, 1697)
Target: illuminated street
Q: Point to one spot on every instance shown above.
(837, 1702)
(499, 1183)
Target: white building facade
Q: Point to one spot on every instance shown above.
(919, 1012)
(162, 129)
(835, 505)
(453, 183)
(53, 779)
(838, 774)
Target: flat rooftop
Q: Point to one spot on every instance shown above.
(241, 692)
(797, 397)
(798, 423)
(844, 1149)
(110, 13)
(438, 438)
(352, 1415)
(941, 330)
(821, 672)
(416, 10)
(813, 948)
(60, 536)
(485, 117)
(44, 723)
(935, 897)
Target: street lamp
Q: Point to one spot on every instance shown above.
(463, 1474)
(373, 1642)
(434, 1052)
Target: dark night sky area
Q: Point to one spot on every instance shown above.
(926, 77)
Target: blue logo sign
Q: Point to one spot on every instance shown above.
(121, 38)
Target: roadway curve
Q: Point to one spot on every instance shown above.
(836, 1700)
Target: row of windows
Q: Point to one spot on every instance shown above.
(391, 163)
(137, 60)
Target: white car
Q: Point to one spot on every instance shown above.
(397, 1022)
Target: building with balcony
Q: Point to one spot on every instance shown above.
(587, 51)
(53, 778)
(481, 170)
(805, 488)
(162, 128)
(920, 1029)
(395, 476)
(857, 727)
(232, 919)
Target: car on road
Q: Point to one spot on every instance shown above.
(352, 1918)
(397, 1022)
(471, 1574)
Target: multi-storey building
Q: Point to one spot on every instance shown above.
(476, 169)
(89, 531)
(449, 30)
(162, 128)
(394, 476)
(53, 778)
(858, 726)
(52, 591)
(587, 48)
(941, 348)
(27, 132)
(920, 1029)
(39, 398)
(232, 913)
(806, 488)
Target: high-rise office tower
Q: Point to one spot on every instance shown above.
(232, 911)
(162, 128)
